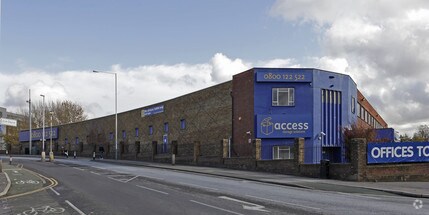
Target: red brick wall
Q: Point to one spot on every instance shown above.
(364, 103)
(243, 114)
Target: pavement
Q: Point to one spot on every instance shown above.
(409, 189)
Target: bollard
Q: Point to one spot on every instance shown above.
(93, 156)
(173, 159)
(10, 160)
(74, 155)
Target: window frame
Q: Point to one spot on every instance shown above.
(282, 148)
(275, 95)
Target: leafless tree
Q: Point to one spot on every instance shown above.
(63, 112)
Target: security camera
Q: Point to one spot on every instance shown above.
(322, 133)
(249, 133)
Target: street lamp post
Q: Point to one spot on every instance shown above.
(43, 129)
(29, 116)
(116, 110)
(51, 153)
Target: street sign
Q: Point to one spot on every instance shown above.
(8, 122)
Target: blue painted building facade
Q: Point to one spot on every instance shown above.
(291, 103)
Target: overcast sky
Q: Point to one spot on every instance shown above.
(163, 49)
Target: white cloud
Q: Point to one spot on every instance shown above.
(383, 46)
(224, 68)
(137, 86)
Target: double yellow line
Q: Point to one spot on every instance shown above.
(52, 182)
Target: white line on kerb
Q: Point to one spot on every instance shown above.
(147, 188)
(286, 203)
(75, 208)
(54, 191)
(218, 208)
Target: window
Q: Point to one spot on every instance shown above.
(283, 97)
(124, 134)
(166, 127)
(353, 105)
(66, 141)
(77, 140)
(111, 136)
(358, 110)
(150, 130)
(183, 124)
(282, 152)
(137, 132)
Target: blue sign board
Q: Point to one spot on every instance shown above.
(283, 126)
(273, 76)
(152, 110)
(397, 152)
(37, 134)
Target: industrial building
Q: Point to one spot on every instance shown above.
(273, 105)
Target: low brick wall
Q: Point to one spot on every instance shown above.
(288, 167)
(344, 172)
(397, 172)
(240, 163)
(310, 170)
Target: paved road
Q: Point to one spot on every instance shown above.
(101, 188)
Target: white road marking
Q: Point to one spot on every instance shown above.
(75, 208)
(218, 208)
(78, 168)
(147, 188)
(95, 173)
(54, 191)
(286, 203)
(253, 207)
(194, 185)
(131, 179)
(98, 167)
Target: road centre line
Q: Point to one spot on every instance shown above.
(75, 208)
(147, 188)
(218, 208)
(194, 185)
(54, 191)
(286, 203)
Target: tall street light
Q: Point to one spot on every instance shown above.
(29, 116)
(43, 129)
(51, 153)
(116, 110)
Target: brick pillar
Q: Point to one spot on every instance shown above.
(197, 151)
(257, 149)
(358, 158)
(299, 150)
(225, 148)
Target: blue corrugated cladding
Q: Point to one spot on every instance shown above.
(331, 118)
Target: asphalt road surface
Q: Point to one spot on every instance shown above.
(86, 187)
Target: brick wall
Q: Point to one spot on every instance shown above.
(243, 113)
